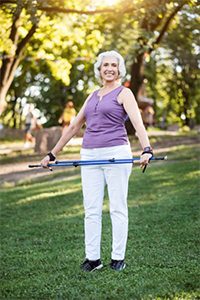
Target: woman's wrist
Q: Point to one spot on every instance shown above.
(147, 150)
(51, 156)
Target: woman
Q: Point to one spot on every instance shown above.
(105, 112)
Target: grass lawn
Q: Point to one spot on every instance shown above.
(42, 238)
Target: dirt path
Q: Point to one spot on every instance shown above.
(19, 172)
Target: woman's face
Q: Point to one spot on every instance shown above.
(109, 70)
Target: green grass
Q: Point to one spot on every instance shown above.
(42, 238)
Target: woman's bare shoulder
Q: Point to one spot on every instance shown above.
(126, 91)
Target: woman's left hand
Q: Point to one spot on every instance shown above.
(144, 159)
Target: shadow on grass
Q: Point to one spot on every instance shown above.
(43, 240)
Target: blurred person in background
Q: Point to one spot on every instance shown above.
(68, 115)
(31, 124)
(30, 121)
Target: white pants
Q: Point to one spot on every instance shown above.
(94, 179)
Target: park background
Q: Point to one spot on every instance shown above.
(47, 50)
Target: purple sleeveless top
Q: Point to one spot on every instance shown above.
(105, 120)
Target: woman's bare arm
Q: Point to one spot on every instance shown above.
(127, 98)
(68, 133)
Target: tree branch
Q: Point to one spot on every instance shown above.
(57, 9)
(13, 33)
(7, 2)
(167, 23)
(69, 10)
(10, 64)
(7, 62)
(25, 40)
(19, 50)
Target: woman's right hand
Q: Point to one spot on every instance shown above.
(45, 161)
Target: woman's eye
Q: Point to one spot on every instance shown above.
(113, 65)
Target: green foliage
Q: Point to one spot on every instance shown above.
(5, 42)
(172, 72)
(58, 61)
(57, 65)
(43, 242)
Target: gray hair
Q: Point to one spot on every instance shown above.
(97, 65)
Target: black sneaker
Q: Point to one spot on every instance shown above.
(91, 265)
(117, 265)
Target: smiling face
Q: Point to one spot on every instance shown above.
(109, 70)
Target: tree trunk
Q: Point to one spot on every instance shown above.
(46, 138)
(137, 78)
(3, 104)
(11, 63)
(137, 74)
(8, 69)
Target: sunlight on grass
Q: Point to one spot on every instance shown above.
(182, 152)
(142, 202)
(47, 195)
(167, 184)
(193, 174)
(77, 210)
(182, 296)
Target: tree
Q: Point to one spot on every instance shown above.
(141, 29)
(176, 78)
(29, 13)
(13, 55)
(55, 65)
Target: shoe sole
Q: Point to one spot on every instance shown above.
(124, 266)
(97, 268)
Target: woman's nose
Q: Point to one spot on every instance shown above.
(110, 67)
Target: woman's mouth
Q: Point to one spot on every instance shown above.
(109, 73)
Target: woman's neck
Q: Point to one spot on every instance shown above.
(110, 85)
